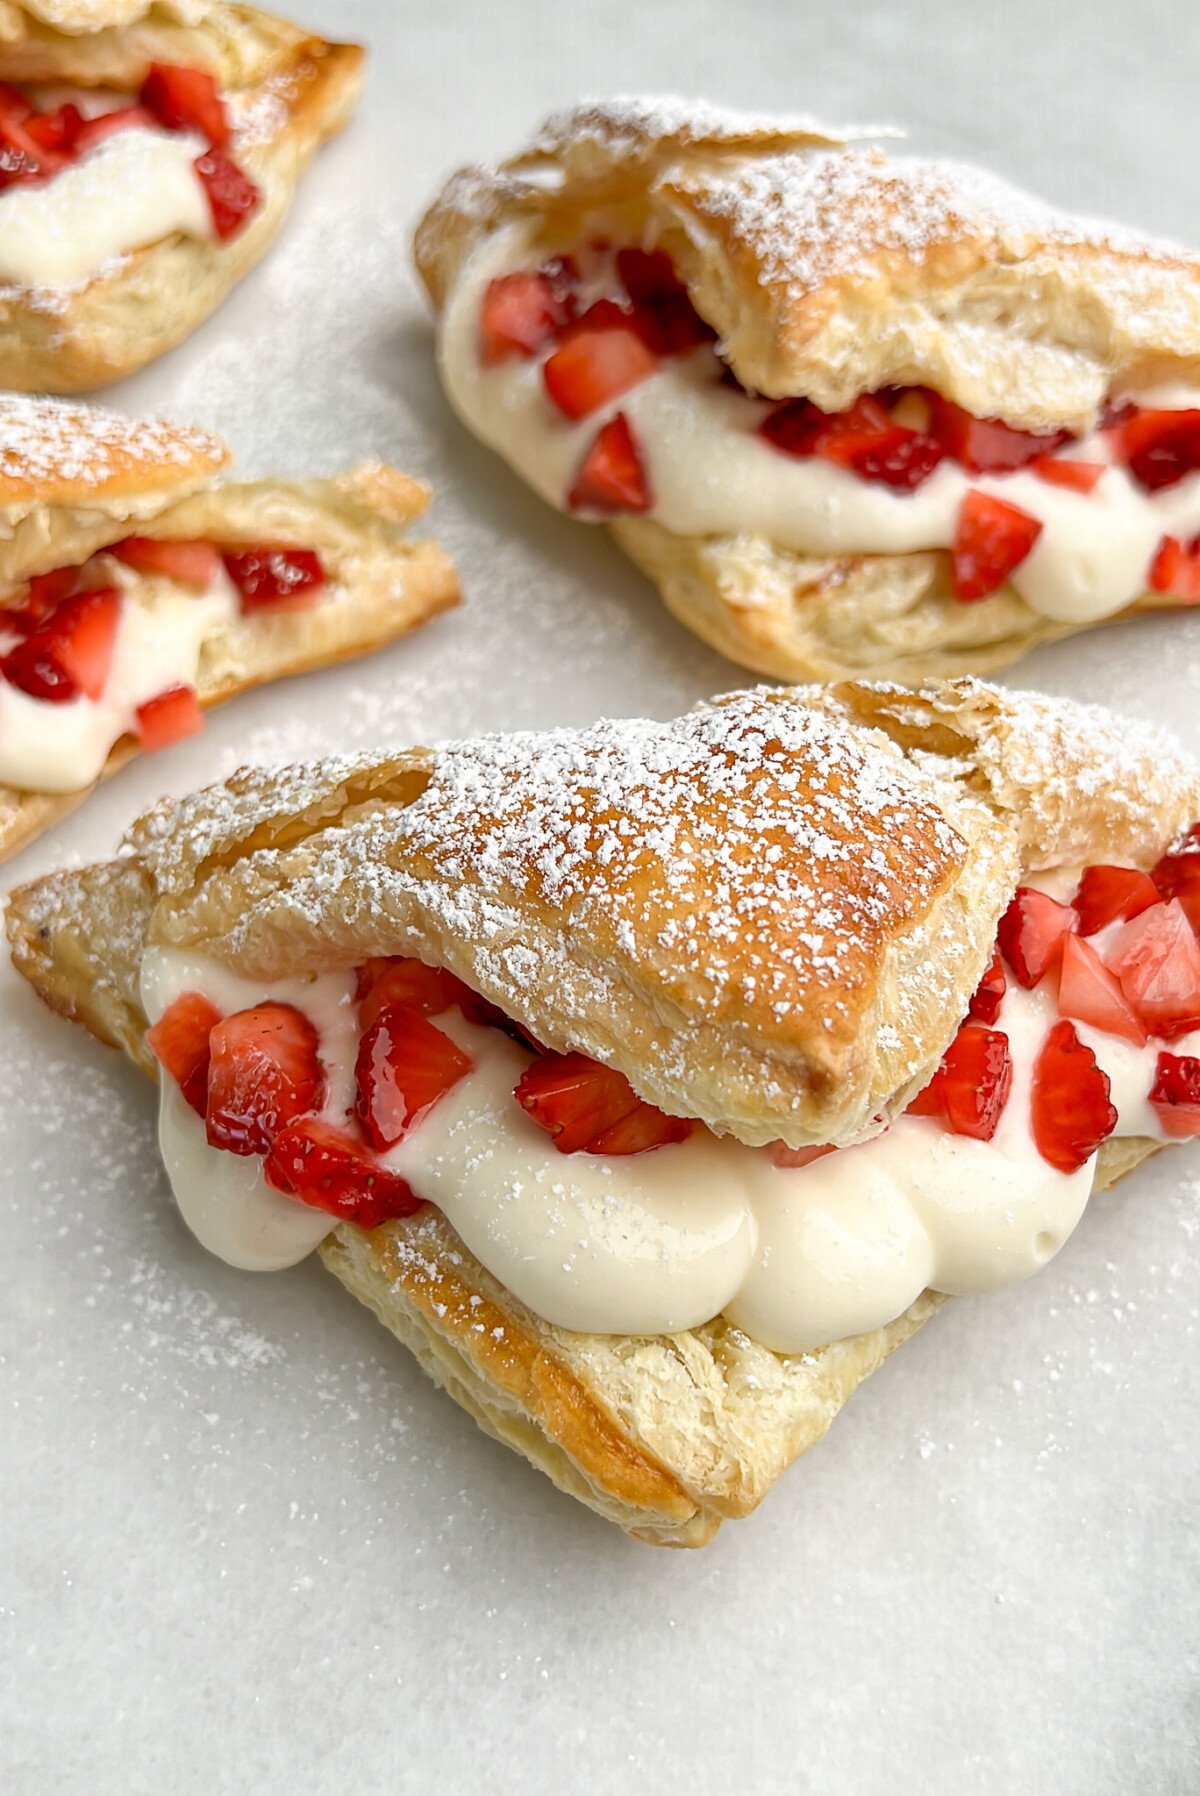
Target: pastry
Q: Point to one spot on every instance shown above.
(853, 412)
(136, 588)
(148, 156)
(634, 1076)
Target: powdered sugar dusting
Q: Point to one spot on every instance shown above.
(49, 441)
(626, 124)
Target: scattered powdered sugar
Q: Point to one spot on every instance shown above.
(62, 442)
(630, 124)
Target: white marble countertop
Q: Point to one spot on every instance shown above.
(245, 1546)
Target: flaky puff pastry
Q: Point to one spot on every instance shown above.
(75, 478)
(697, 903)
(286, 91)
(830, 268)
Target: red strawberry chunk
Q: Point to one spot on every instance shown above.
(790, 1157)
(645, 1127)
(1175, 1094)
(991, 538)
(1110, 895)
(404, 1066)
(611, 476)
(1089, 993)
(989, 994)
(601, 358)
(1031, 933)
(521, 313)
(71, 653)
(167, 718)
(1176, 568)
(986, 445)
(265, 1072)
(43, 595)
(1076, 476)
(186, 99)
(270, 574)
(1070, 1108)
(864, 439)
(971, 1086)
(232, 196)
(58, 130)
(1177, 875)
(1156, 958)
(664, 314)
(589, 1108)
(179, 1041)
(334, 1171)
(24, 158)
(91, 131)
(397, 981)
(193, 563)
(1160, 448)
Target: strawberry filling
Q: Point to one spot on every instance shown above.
(588, 1108)
(1070, 1108)
(971, 1086)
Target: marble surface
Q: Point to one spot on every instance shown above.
(244, 1546)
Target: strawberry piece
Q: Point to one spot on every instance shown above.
(1088, 993)
(971, 1086)
(24, 158)
(1177, 875)
(192, 563)
(232, 196)
(644, 1128)
(1160, 448)
(986, 445)
(43, 595)
(989, 994)
(665, 317)
(167, 718)
(186, 99)
(404, 1066)
(1175, 1094)
(392, 981)
(71, 653)
(1031, 933)
(331, 1170)
(589, 1108)
(1156, 958)
(991, 538)
(56, 131)
(611, 476)
(1111, 895)
(1176, 568)
(601, 358)
(1076, 476)
(264, 1072)
(791, 1157)
(1070, 1108)
(864, 439)
(274, 575)
(521, 313)
(91, 131)
(179, 1041)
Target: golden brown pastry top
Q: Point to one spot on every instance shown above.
(56, 452)
(100, 43)
(830, 269)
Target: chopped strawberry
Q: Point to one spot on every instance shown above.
(331, 1170)
(1076, 476)
(43, 595)
(1111, 895)
(991, 538)
(1177, 875)
(1160, 448)
(971, 1086)
(986, 445)
(1089, 993)
(232, 196)
(663, 311)
(57, 131)
(404, 1066)
(274, 575)
(1031, 933)
(265, 1072)
(865, 439)
(71, 653)
(601, 357)
(521, 313)
(179, 1041)
(397, 980)
(989, 994)
(1156, 958)
(193, 563)
(1176, 568)
(186, 99)
(168, 718)
(1175, 1094)
(589, 1108)
(611, 476)
(1070, 1107)
(91, 131)
(24, 159)
(644, 1127)
(792, 1157)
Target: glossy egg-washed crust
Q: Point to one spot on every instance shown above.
(947, 796)
(287, 92)
(830, 269)
(74, 478)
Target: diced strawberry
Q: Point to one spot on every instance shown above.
(24, 158)
(91, 131)
(791, 1157)
(1111, 895)
(232, 196)
(193, 563)
(43, 595)
(1177, 875)
(644, 1127)
(1176, 568)
(865, 439)
(991, 538)
(521, 313)
(265, 1072)
(331, 1170)
(186, 99)
(179, 1041)
(1070, 1108)
(397, 980)
(1156, 958)
(167, 718)
(986, 445)
(589, 1108)
(905, 461)
(71, 653)
(1089, 993)
(1076, 476)
(611, 476)
(971, 1086)
(1160, 448)
(664, 314)
(404, 1066)
(598, 360)
(989, 994)
(58, 130)
(1031, 933)
(1175, 1094)
(274, 575)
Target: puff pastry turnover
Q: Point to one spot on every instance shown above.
(649, 947)
(130, 209)
(137, 586)
(854, 412)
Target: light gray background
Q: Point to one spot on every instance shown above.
(246, 1548)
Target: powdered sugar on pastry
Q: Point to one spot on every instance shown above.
(54, 449)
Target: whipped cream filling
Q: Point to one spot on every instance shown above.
(711, 475)
(48, 747)
(131, 190)
(663, 1241)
